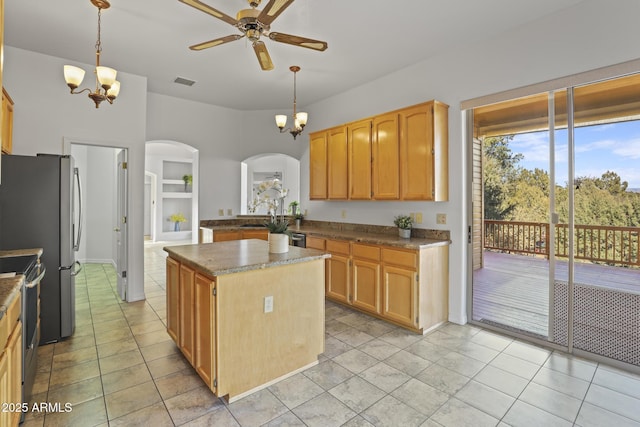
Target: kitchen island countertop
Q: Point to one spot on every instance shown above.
(238, 255)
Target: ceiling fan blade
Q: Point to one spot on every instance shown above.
(272, 10)
(299, 41)
(209, 10)
(263, 55)
(215, 42)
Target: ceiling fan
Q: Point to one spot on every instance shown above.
(254, 23)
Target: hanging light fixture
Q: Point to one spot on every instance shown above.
(299, 119)
(107, 87)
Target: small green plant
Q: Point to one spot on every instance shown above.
(294, 209)
(188, 179)
(403, 221)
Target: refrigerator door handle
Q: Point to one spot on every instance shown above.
(76, 244)
(76, 272)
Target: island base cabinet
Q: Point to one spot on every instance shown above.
(205, 326)
(173, 287)
(256, 347)
(237, 345)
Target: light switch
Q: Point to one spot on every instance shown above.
(268, 304)
(418, 217)
(230, 212)
(220, 212)
(343, 214)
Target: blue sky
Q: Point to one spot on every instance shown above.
(599, 148)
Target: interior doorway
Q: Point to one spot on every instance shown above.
(104, 197)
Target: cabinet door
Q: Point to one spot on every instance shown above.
(386, 157)
(185, 311)
(173, 287)
(315, 243)
(14, 359)
(255, 234)
(366, 285)
(399, 294)
(5, 416)
(359, 141)
(7, 123)
(318, 166)
(338, 278)
(205, 317)
(224, 236)
(337, 161)
(416, 152)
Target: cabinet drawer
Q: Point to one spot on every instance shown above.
(338, 247)
(365, 252)
(315, 243)
(398, 257)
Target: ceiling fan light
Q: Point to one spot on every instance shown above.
(106, 76)
(301, 118)
(281, 120)
(114, 90)
(73, 75)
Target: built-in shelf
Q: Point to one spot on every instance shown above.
(175, 199)
(175, 195)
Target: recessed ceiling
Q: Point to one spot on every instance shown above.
(367, 40)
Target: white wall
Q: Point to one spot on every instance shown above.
(593, 34)
(97, 168)
(45, 114)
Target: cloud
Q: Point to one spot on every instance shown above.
(628, 149)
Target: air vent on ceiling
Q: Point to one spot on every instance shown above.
(183, 81)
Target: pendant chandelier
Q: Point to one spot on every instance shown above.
(299, 119)
(107, 87)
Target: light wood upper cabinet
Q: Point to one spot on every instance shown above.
(337, 164)
(318, 166)
(359, 141)
(386, 157)
(424, 152)
(400, 155)
(7, 123)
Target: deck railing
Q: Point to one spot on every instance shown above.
(595, 243)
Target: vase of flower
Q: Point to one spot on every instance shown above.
(404, 224)
(177, 218)
(278, 243)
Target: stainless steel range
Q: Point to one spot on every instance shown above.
(33, 271)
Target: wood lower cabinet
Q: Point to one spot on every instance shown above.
(224, 236)
(205, 326)
(365, 277)
(185, 311)
(11, 362)
(404, 286)
(172, 291)
(337, 270)
(7, 123)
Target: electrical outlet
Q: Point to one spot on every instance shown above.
(230, 212)
(268, 304)
(412, 216)
(220, 212)
(343, 214)
(306, 212)
(418, 217)
(441, 218)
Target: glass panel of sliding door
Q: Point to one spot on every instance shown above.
(604, 296)
(511, 233)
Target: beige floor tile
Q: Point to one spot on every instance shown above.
(295, 390)
(120, 361)
(131, 399)
(178, 383)
(485, 398)
(74, 374)
(76, 393)
(74, 343)
(357, 393)
(71, 358)
(125, 378)
(115, 347)
(89, 413)
(146, 327)
(150, 338)
(155, 415)
(192, 404)
(159, 350)
(389, 411)
(167, 365)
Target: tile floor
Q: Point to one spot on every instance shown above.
(121, 369)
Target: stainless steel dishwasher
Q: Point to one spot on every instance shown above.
(299, 239)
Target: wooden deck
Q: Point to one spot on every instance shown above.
(513, 290)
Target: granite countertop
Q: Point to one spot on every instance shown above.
(372, 237)
(10, 287)
(217, 259)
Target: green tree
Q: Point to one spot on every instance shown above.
(500, 171)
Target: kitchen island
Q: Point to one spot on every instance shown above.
(242, 317)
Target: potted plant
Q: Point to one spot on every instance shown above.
(294, 209)
(272, 194)
(188, 179)
(177, 218)
(404, 224)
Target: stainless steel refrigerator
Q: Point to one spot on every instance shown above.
(40, 206)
